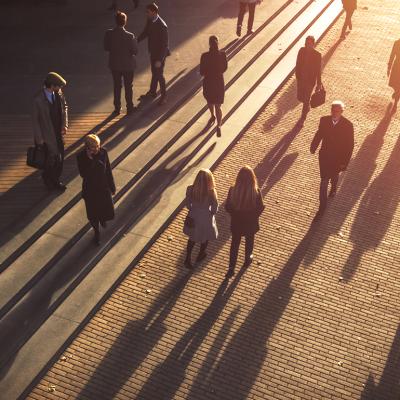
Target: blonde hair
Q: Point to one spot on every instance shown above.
(92, 139)
(204, 186)
(245, 191)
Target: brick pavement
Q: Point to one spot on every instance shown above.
(316, 315)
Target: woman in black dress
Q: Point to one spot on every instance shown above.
(245, 205)
(98, 184)
(213, 64)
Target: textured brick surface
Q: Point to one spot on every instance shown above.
(316, 315)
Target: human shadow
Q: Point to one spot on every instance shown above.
(388, 387)
(354, 182)
(287, 101)
(169, 375)
(375, 213)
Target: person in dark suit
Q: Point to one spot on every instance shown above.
(122, 47)
(114, 4)
(349, 7)
(98, 183)
(336, 133)
(156, 32)
(50, 125)
(213, 64)
(393, 72)
(308, 73)
(245, 205)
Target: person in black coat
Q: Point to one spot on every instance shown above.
(156, 32)
(245, 205)
(349, 7)
(308, 73)
(122, 47)
(213, 64)
(336, 133)
(98, 183)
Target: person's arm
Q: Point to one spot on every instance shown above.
(109, 174)
(64, 122)
(228, 202)
(145, 33)
(214, 205)
(349, 146)
(224, 62)
(188, 198)
(317, 138)
(82, 166)
(202, 65)
(37, 132)
(260, 204)
(106, 41)
(391, 58)
(319, 69)
(134, 46)
(298, 63)
(164, 42)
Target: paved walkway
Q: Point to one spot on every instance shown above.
(316, 315)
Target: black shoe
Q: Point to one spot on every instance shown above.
(131, 110)
(239, 30)
(201, 256)
(250, 32)
(147, 96)
(318, 216)
(188, 264)
(103, 224)
(248, 260)
(116, 111)
(60, 187)
(230, 273)
(97, 237)
(332, 193)
(211, 121)
(219, 132)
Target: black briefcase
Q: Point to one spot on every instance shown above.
(36, 157)
(318, 98)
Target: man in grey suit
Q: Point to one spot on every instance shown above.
(50, 124)
(122, 47)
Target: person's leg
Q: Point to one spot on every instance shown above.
(154, 79)
(218, 113)
(189, 249)
(117, 80)
(334, 183)
(242, 11)
(323, 194)
(161, 80)
(235, 243)
(250, 22)
(128, 84)
(202, 253)
(349, 22)
(249, 249)
(95, 225)
(306, 102)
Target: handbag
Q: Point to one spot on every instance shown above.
(318, 98)
(189, 222)
(36, 157)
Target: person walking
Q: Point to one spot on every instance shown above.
(122, 48)
(245, 205)
(156, 33)
(349, 7)
(114, 5)
(393, 72)
(200, 225)
(308, 73)
(213, 64)
(243, 6)
(336, 133)
(50, 125)
(98, 184)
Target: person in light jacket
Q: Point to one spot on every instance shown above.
(98, 185)
(245, 205)
(50, 125)
(200, 225)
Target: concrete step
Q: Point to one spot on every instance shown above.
(144, 207)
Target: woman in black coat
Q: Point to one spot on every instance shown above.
(245, 205)
(213, 64)
(98, 183)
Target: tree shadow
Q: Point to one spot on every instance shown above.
(375, 213)
(354, 182)
(388, 387)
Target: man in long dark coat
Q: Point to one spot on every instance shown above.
(336, 133)
(50, 124)
(308, 73)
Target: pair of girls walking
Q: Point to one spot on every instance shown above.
(244, 204)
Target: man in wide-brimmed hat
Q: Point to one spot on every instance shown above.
(50, 124)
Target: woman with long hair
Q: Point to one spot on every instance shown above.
(245, 205)
(200, 225)
(213, 64)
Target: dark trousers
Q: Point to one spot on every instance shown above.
(304, 92)
(127, 76)
(236, 239)
(54, 167)
(157, 77)
(347, 21)
(323, 190)
(242, 12)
